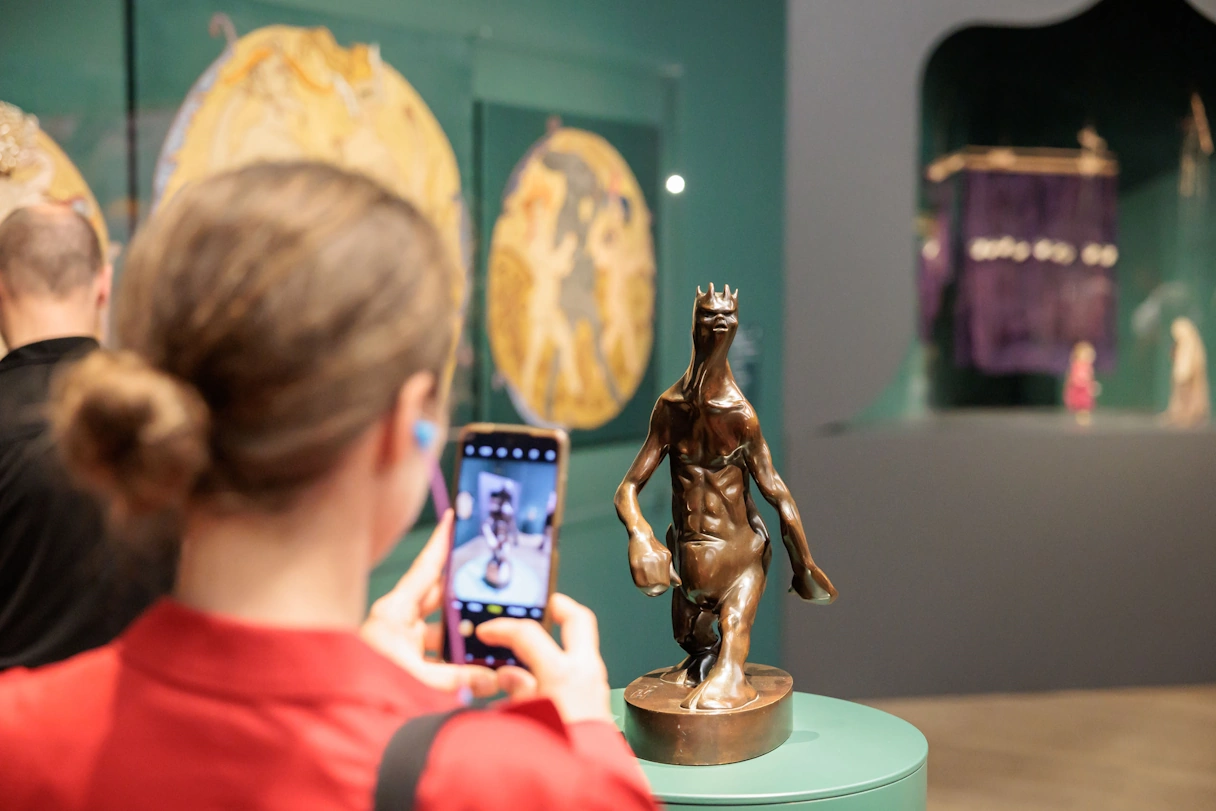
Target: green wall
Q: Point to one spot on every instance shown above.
(63, 61)
(710, 75)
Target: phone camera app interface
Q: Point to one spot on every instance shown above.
(505, 504)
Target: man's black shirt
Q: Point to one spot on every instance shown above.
(62, 587)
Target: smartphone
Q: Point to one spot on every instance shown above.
(509, 495)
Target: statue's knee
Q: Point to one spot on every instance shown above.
(730, 622)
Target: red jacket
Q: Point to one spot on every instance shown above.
(191, 711)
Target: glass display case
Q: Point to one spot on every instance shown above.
(1065, 198)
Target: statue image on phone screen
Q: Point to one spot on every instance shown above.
(501, 535)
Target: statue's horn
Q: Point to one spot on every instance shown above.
(726, 291)
(734, 296)
(699, 293)
(711, 288)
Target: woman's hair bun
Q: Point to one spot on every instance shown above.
(133, 433)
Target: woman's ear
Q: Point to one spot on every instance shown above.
(411, 423)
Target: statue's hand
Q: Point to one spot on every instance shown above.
(812, 585)
(650, 564)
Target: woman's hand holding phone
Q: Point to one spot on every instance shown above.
(396, 626)
(572, 676)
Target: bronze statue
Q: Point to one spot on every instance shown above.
(718, 549)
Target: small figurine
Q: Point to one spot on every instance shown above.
(1081, 390)
(501, 534)
(716, 557)
(1190, 405)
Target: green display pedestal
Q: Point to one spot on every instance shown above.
(841, 757)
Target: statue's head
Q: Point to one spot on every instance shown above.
(715, 318)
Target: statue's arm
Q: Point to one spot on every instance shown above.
(810, 582)
(649, 561)
(644, 465)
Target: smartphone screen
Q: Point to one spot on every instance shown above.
(504, 545)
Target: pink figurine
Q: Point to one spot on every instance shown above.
(1081, 389)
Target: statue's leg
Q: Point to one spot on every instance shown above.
(693, 628)
(726, 687)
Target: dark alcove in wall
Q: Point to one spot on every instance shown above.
(1137, 73)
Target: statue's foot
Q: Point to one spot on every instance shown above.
(677, 675)
(724, 690)
(692, 671)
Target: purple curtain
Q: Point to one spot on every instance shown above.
(1036, 271)
(936, 267)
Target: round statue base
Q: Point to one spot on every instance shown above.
(841, 757)
(659, 729)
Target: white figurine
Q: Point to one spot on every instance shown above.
(1190, 404)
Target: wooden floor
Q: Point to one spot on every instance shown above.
(1103, 750)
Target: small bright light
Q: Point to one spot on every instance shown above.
(675, 184)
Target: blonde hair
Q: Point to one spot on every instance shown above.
(1084, 351)
(267, 317)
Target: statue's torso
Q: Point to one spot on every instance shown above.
(713, 540)
(706, 445)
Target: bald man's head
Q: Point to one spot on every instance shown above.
(48, 250)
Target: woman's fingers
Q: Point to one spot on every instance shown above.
(530, 643)
(482, 681)
(422, 585)
(427, 568)
(432, 638)
(516, 682)
(580, 630)
(431, 599)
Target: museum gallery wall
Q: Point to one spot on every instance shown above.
(539, 145)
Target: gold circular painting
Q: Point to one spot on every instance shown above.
(571, 282)
(284, 93)
(33, 170)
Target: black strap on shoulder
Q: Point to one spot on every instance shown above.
(405, 758)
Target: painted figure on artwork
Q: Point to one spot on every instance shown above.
(1190, 406)
(570, 283)
(1081, 389)
(717, 552)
